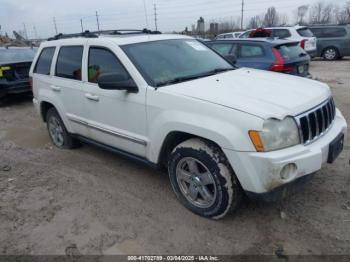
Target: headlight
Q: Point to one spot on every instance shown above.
(276, 134)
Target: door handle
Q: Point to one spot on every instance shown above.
(92, 97)
(56, 88)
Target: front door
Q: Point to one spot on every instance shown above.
(116, 118)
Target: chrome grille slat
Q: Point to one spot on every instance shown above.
(316, 122)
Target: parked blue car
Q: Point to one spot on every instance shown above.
(284, 56)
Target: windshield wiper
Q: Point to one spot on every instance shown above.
(191, 77)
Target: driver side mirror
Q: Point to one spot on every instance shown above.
(232, 59)
(113, 81)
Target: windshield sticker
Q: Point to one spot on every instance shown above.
(197, 46)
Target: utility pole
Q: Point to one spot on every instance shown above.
(82, 27)
(25, 31)
(155, 17)
(242, 15)
(146, 16)
(55, 25)
(98, 22)
(35, 32)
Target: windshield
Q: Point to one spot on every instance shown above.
(17, 55)
(305, 32)
(291, 51)
(173, 61)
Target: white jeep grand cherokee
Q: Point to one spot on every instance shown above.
(170, 101)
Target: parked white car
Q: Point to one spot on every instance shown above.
(170, 101)
(301, 34)
(231, 35)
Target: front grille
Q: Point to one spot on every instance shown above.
(317, 121)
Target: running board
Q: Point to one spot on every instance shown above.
(117, 151)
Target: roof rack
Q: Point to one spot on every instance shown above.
(86, 34)
(129, 32)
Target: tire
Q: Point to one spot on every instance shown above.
(203, 180)
(330, 54)
(58, 132)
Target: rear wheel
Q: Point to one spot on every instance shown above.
(330, 54)
(58, 132)
(203, 180)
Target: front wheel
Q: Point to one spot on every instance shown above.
(203, 180)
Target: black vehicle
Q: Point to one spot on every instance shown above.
(283, 56)
(15, 63)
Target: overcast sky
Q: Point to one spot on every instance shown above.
(172, 14)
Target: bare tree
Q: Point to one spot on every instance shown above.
(302, 12)
(322, 13)
(271, 17)
(283, 19)
(255, 22)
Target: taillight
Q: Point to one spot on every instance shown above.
(31, 83)
(302, 43)
(280, 64)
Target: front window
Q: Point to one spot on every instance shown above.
(173, 61)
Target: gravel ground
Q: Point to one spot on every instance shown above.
(88, 201)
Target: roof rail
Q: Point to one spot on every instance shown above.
(129, 32)
(86, 34)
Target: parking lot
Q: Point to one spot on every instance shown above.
(88, 201)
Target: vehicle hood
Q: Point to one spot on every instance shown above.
(260, 93)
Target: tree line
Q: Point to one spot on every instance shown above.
(319, 13)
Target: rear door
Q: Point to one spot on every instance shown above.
(67, 85)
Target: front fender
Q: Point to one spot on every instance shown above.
(228, 135)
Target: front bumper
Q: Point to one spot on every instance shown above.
(14, 87)
(260, 173)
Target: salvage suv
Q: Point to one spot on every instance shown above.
(170, 101)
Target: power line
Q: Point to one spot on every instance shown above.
(155, 17)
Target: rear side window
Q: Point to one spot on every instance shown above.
(222, 49)
(329, 32)
(69, 62)
(334, 32)
(103, 61)
(291, 51)
(247, 51)
(281, 33)
(43, 65)
(305, 32)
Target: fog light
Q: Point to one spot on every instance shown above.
(288, 171)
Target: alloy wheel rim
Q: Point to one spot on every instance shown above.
(196, 182)
(56, 131)
(330, 54)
